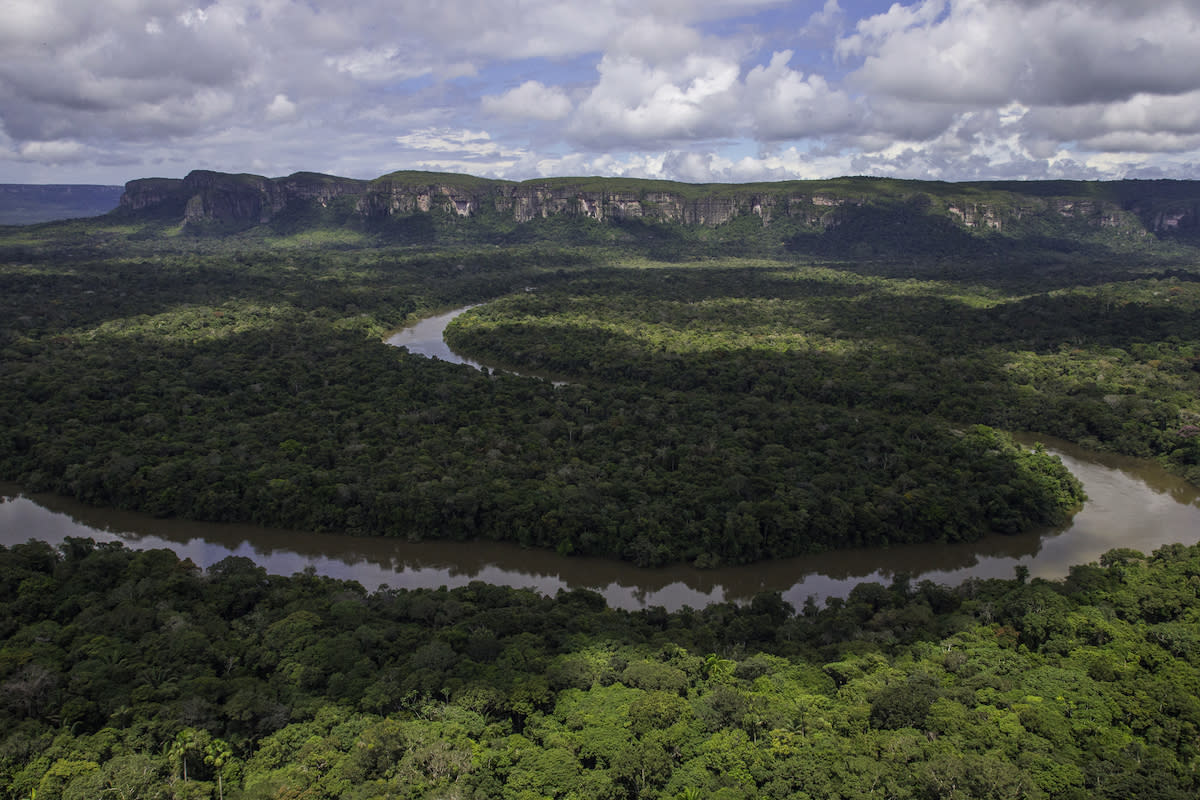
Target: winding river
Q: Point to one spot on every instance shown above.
(1132, 503)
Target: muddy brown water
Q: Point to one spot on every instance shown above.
(1131, 503)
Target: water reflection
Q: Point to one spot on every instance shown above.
(1132, 503)
(425, 338)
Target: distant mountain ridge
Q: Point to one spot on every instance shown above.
(26, 203)
(836, 214)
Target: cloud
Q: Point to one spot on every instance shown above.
(1142, 123)
(373, 64)
(899, 18)
(706, 97)
(281, 108)
(463, 144)
(530, 100)
(71, 69)
(636, 101)
(692, 166)
(703, 89)
(1143, 142)
(1052, 52)
(658, 40)
(66, 74)
(789, 163)
(62, 151)
(829, 15)
(785, 104)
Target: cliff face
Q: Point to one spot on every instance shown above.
(213, 197)
(217, 197)
(1128, 207)
(150, 192)
(1178, 219)
(386, 197)
(527, 202)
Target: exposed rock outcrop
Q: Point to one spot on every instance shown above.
(207, 198)
(395, 196)
(150, 192)
(972, 216)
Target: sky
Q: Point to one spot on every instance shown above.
(105, 91)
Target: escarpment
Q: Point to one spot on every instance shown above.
(220, 201)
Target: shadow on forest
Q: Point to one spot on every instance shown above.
(293, 422)
(76, 293)
(1040, 322)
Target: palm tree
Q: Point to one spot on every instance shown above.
(216, 754)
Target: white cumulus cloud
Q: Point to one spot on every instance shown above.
(705, 89)
(1053, 52)
(62, 151)
(530, 100)
(281, 108)
(786, 104)
(638, 101)
(462, 143)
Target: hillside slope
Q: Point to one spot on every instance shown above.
(860, 217)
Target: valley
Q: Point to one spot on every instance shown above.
(785, 424)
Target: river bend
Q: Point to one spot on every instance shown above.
(1131, 503)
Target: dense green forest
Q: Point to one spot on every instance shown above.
(725, 392)
(197, 379)
(714, 410)
(1114, 364)
(132, 674)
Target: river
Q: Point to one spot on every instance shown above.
(1132, 503)
(424, 338)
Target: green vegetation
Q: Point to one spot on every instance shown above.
(860, 218)
(841, 376)
(733, 392)
(421, 178)
(190, 377)
(132, 674)
(1114, 364)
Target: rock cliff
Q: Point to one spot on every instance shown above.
(206, 198)
(150, 192)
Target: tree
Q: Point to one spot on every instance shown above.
(189, 743)
(217, 753)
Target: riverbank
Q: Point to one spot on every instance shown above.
(1131, 503)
